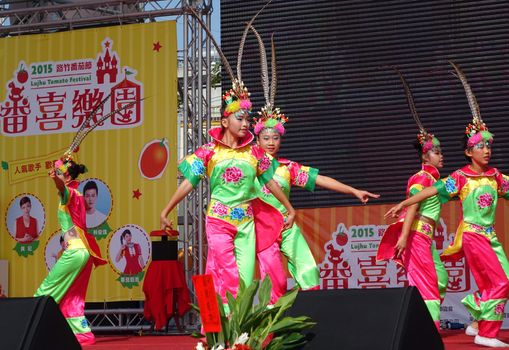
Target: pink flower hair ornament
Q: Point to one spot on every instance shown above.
(273, 120)
(428, 142)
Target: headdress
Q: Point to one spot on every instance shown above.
(269, 116)
(237, 98)
(63, 163)
(477, 130)
(426, 140)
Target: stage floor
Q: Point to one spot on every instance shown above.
(453, 340)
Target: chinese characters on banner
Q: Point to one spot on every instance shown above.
(350, 262)
(55, 97)
(50, 84)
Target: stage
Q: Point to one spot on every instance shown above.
(453, 340)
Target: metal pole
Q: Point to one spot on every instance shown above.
(185, 126)
(199, 118)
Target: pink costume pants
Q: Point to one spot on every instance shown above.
(426, 272)
(488, 271)
(231, 254)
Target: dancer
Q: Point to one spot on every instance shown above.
(232, 164)
(67, 281)
(409, 240)
(478, 186)
(271, 237)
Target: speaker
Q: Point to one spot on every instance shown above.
(34, 323)
(348, 319)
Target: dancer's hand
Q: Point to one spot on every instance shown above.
(364, 196)
(394, 211)
(289, 219)
(52, 173)
(400, 246)
(165, 223)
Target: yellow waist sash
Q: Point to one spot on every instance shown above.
(75, 244)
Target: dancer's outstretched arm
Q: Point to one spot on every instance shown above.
(405, 230)
(281, 197)
(60, 185)
(182, 191)
(419, 197)
(334, 185)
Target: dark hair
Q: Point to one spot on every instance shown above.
(418, 147)
(75, 170)
(91, 185)
(24, 200)
(122, 236)
(61, 239)
(464, 145)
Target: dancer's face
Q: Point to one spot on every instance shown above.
(127, 238)
(434, 157)
(237, 124)
(480, 153)
(270, 140)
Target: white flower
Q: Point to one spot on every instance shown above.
(242, 339)
(199, 346)
(218, 347)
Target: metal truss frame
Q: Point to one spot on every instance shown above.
(31, 17)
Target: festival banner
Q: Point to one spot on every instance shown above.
(344, 242)
(49, 84)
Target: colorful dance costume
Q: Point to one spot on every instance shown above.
(420, 259)
(271, 240)
(67, 281)
(475, 237)
(232, 173)
(229, 222)
(477, 241)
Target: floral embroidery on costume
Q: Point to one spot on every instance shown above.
(237, 214)
(301, 179)
(220, 209)
(232, 174)
(499, 309)
(197, 167)
(265, 163)
(505, 184)
(485, 200)
(450, 185)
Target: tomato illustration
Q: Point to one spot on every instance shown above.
(342, 238)
(22, 75)
(153, 159)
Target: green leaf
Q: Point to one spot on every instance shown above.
(197, 335)
(5, 165)
(259, 320)
(246, 301)
(287, 300)
(292, 324)
(265, 290)
(195, 307)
